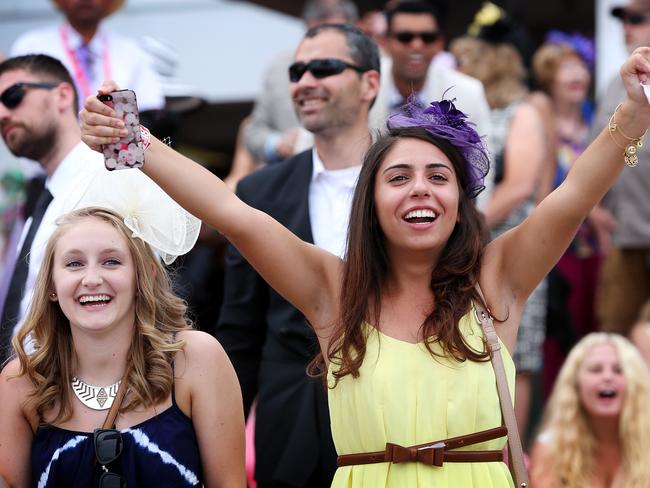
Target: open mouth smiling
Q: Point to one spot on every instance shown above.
(420, 216)
(89, 300)
(607, 393)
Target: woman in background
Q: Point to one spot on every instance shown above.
(596, 432)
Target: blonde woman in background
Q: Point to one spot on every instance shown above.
(596, 432)
(517, 146)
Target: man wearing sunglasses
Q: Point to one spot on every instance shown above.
(38, 120)
(636, 23)
(274, 132)
(334, 79)
(625, 275)
(413, 39)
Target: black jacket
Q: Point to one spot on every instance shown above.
(270, 343)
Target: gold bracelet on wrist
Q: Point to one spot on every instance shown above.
(631, 149)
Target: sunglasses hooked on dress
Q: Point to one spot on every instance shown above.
(108, 447)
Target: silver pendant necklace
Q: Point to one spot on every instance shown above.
(95, 397)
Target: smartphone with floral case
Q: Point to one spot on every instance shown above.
(128, 152)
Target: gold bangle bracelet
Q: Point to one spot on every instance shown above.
(631, 149)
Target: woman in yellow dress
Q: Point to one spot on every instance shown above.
(404, 356)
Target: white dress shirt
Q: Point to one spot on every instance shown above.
(330, 202)
(115, 57)
(67, 185)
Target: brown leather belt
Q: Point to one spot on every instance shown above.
(433, 453)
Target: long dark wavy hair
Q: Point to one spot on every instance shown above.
(366, 267)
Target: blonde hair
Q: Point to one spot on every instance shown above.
(566, 425)
(546, 62)
(497, 66)
(159, 315)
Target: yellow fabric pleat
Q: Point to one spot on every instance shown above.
(405, 396)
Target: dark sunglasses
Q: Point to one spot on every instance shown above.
(13, 95)
(407, 37)
(634, 18)
(108, 447)
(321, 68)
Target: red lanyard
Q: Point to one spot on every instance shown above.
(79, 74)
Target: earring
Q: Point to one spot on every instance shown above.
(52, 296)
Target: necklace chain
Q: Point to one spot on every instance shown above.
(95, 397)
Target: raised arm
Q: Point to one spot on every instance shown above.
(522, 257)
(304, 274)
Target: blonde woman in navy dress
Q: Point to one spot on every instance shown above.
(104, 312)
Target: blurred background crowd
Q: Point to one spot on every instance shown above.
(211, 75)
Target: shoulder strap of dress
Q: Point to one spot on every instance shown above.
(515, 451)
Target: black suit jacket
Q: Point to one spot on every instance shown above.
(270, 343)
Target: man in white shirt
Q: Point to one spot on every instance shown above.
(413, 40)
(93, 54)
(38, 120)
(334, 80)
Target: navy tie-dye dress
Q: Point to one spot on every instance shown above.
(161, 451)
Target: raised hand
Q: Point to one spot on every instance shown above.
(634, 71)
(99, 122)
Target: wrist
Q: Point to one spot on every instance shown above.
(633, 119)
(625, 121)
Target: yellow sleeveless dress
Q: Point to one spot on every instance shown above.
(405, 396)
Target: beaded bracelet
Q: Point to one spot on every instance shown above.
(631, 148)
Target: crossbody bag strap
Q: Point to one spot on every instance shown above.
(515, 451)
(109, 422)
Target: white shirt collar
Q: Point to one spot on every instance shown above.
(318, 167)
(69, 168)
(346, 176)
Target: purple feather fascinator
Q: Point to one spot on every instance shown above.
(442, 119)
